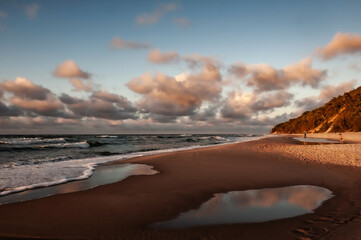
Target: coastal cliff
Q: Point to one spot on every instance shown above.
(340, 114)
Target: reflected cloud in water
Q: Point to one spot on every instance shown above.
(252, 206)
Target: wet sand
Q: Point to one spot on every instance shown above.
(123, 210)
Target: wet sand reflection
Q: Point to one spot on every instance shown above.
(252, 206)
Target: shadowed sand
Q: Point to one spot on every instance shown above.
(123, 210)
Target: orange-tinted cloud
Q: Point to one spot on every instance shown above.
(264, 77)
(342, 43)
(156, 56)
(197, 60)
(245, 105)
(326, 94)
(118, 43)
(177, 96)
(39, 106)
(331, 91)
(24, 88)
(25, 96)
(80, 85)
(69, 69)
(153, 17)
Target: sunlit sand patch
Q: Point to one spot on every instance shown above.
(251, 206)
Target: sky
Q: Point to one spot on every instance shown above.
(86, 67)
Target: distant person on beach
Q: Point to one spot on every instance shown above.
(304, 134)
(341, 138)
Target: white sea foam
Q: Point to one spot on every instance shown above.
(108, 136)
(16, 178)
(31, 140)
(82, 144)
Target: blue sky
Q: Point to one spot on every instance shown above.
(38, 36)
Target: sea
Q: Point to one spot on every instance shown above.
(33, 161)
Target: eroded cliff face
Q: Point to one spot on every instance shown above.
(340, 114)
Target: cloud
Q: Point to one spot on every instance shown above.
(197, 60)
(264, 77)
(100, 105)
(32, 98)
(47, 107)
(9, 110)
(120, 101)
(182, 22)
(269, 101)
(31, 10)
(97, 108)
(331, 91)
(174, 96)
(246, 105)
(153, 17)
(80, 85)
(31, 124)
(193, 61)
(341, 44)
(156, 56)
(69, 69)
(326, 94)
(118, 43)
(24, 88)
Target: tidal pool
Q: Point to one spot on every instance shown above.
(316, 140)
(251, 206)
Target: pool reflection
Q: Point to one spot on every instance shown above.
(252, 206)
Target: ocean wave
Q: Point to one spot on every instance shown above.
(45, 144)
(82, 144)
(31, 140)
(107, 136)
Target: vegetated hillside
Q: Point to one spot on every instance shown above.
(340, 114)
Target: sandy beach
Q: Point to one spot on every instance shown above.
(186, 179)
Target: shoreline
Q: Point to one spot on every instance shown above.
(187, 179)
(107, 160)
